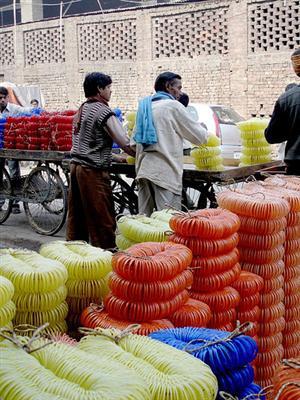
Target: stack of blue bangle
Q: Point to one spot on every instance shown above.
(2, 128)
(229, 359)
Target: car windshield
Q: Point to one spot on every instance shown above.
(227, 115)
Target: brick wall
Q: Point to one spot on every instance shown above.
(234, 52)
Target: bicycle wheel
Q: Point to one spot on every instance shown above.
(5, 196)
(190, 197)
(46, 200)
(196, 198)
(125, 199)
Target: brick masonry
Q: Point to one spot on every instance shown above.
(233, 52)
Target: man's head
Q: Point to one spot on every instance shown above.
(170, 83)
(296, 61)
(34, 103)
(3, 98)
(96, 84)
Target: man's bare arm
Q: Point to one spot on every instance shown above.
(117, 133)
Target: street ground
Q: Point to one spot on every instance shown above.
(16, 232)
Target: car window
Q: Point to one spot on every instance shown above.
(227, 115)
(192, 110)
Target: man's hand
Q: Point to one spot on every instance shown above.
(119, 158)
(130, 150)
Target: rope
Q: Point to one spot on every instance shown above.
(26, 343)
(115, 334)
(97, 307)
(285, 385)
(135, 257)
(186, 209)
(251, 178)
(113, 249)
(252, 194)
(178, 212)
(266, 174)
(262, 392)
(227, 396)
(291, 363)
(240, 330)
(229, 181)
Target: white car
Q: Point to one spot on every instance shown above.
(221, 121)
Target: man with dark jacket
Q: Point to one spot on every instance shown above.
(285, 122)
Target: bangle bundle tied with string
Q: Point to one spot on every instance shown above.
(289, 188)
(95, 316)
(262, 238)
(249, 286)
(149, 286)
(88, 270)
(37, 368)
(207, 157)
(134, 229)
(167, 372)
(7, 306)
(287, 380)
(255, 148)
(212, 236)
(289, 294)
(39, 288)
(229, 354)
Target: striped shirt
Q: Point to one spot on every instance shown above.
(92, 145)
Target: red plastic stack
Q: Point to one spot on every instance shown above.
(56, 130)
(95, 317)
(62, 132)
(12, 124)
(262, 236)
(149, 286)
(31, 133)
(48, 131)
(249, 286)
(291, 333)
(211, 234)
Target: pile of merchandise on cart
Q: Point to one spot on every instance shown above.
(37, 131)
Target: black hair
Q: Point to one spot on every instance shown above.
(296, 52)
(93, 81)
(290, 86)
(163, 79)
(184, 99)
(34, 101)
(3, 91)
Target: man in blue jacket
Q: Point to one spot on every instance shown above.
(285, 122)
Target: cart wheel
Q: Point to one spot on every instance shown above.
(198, 197)
(191, 199)
(125, 198)
(5, 195)
(46, 200)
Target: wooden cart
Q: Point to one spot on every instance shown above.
(43, 191)
(199, 186)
